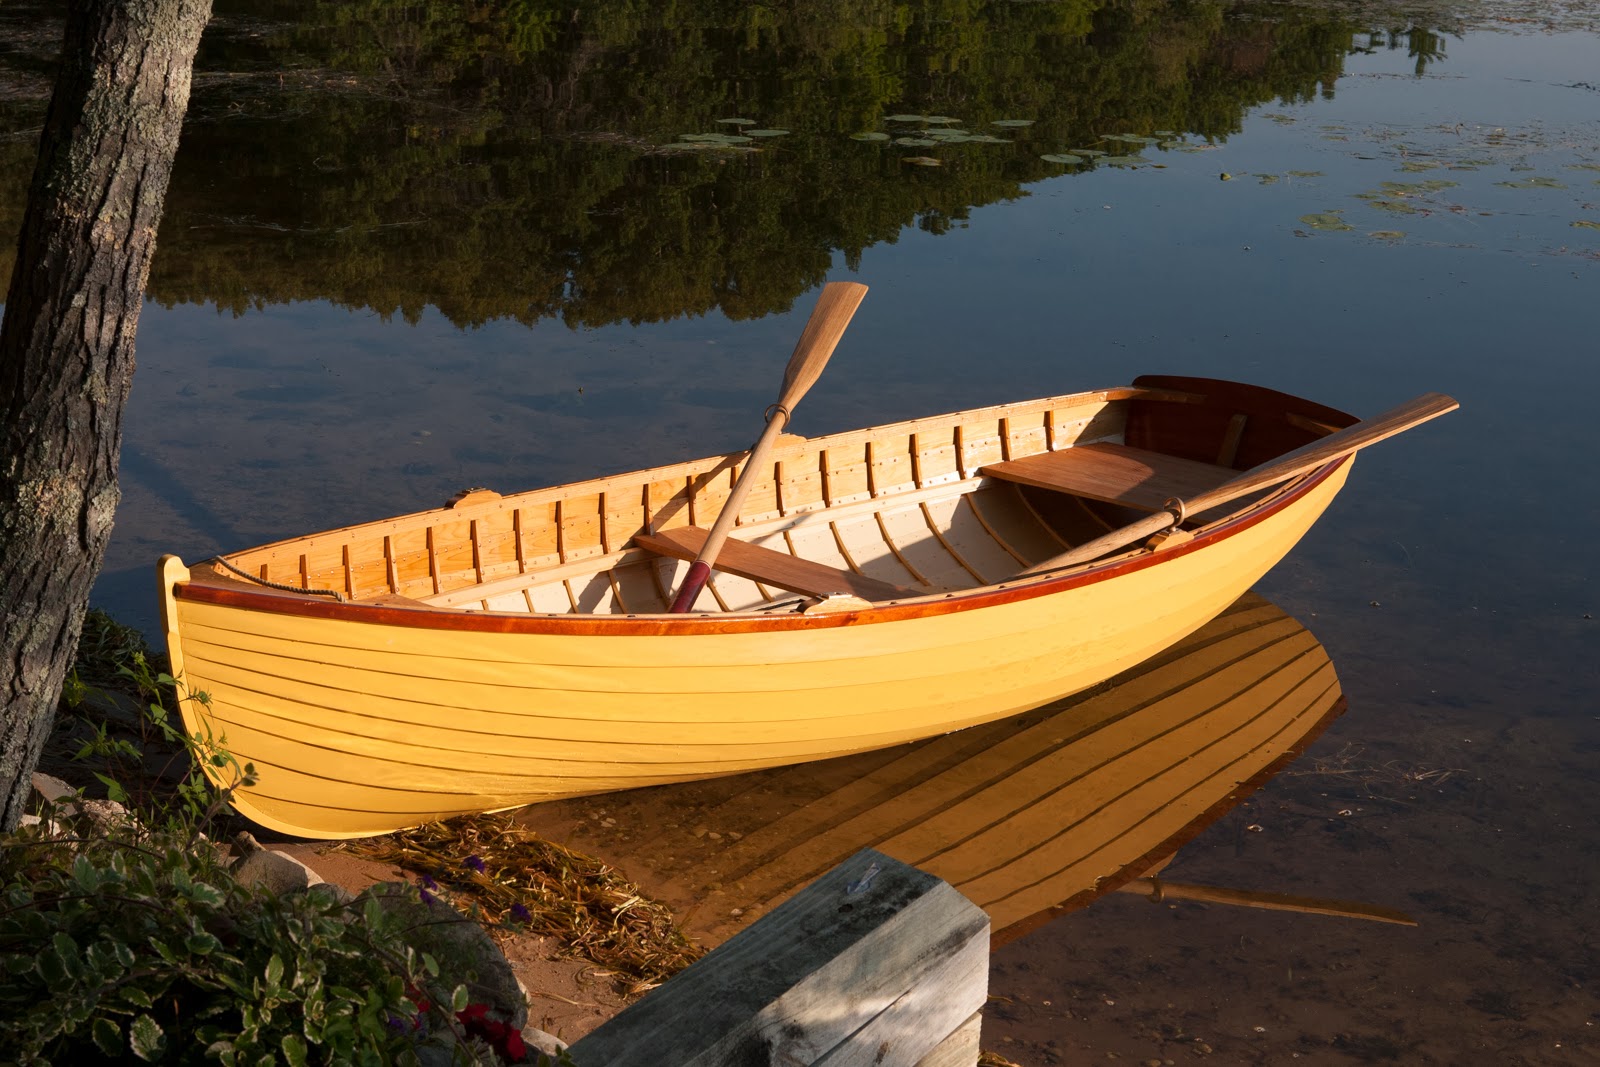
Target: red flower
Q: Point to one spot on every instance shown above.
(504, 1039)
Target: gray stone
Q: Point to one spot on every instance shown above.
(52, 790)
(106, 815)
(275, 871)
(465, 952)
(542, 1043)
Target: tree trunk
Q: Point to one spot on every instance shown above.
(66, 342)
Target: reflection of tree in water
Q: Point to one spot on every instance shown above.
(1421, 44)
(520, 159)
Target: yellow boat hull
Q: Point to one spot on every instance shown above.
(364, 718)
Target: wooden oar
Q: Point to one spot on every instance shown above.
(829, 318)
(1159, 889)
(1302, 460)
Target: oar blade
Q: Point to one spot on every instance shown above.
(829, 318)
(833, 312)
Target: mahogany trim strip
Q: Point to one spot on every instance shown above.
(922, 606)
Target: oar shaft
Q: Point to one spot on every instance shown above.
(820, 337)
(700, 569)
(1302, 460)
(1159, 889)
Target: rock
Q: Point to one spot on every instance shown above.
(63, 802)
(464, 951)
(275, 871)
(106, 815)
(338, 894)
(52, 790)
(541, 1043)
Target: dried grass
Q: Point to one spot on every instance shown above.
(490, 864)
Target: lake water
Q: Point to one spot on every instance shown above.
(408, 251)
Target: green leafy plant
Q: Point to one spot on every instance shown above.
(148, 949)
(130, 940)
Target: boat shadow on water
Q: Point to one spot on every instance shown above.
(1029, 817)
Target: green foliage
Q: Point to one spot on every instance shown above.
(145, 947)
(130, 944)
(123, 701)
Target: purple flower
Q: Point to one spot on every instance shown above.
(476, 864)
(429, 883)
(521, 913)
(428, 898)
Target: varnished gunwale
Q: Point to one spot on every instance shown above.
(665, 625)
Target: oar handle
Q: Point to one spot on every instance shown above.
(1300, 461)
(835, 307)
(700, 569)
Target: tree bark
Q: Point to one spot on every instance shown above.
(66, 342)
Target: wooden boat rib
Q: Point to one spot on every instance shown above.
(509, 649)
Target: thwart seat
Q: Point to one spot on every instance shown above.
(772, 568)
(1115, 474)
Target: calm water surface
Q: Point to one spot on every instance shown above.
(408, 251)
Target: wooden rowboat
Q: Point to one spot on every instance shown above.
(880, 586)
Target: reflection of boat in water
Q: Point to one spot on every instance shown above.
(1028, 817)
(950, 571)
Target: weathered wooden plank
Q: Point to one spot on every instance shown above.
(874, 963)
(960, 1049)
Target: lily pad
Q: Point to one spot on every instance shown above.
(1123, 161)
(1305, 174)
(1268, 179)
(1387, 235)
(1587, 224)
(1012, 122)
(714, 138)
(1383, 203)
(1326, 220)
(1415, 165)
(1165, 133)
(1533, 183)
(1583, 166)
(906, 118)
(922, 161)
(737, 122)
(1062, 157)
(984, 138)
(766, 133)
(1090, 151)
(1432, 185)
(915, 142)
(1174, 144)
(940, 120)
(949, 135)
(871, 136)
